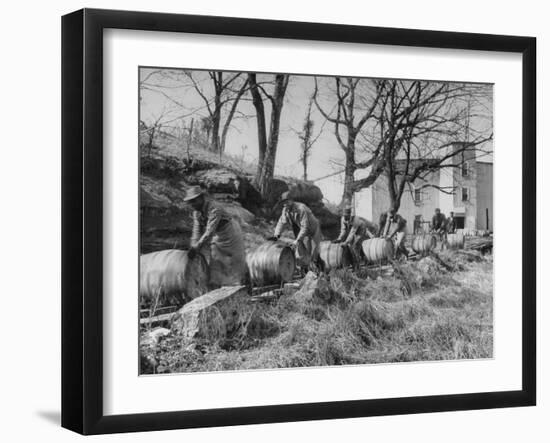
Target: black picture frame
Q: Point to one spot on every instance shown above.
(82, 218)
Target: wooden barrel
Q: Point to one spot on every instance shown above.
(422, 244)
(169, 278)
(378, 249)
(271, 263)
(455, 241)
(335, 255)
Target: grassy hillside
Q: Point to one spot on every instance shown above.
(166, 172)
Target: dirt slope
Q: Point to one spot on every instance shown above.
(166, 172)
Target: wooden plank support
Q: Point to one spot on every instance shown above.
(163, 310)
(157, 319)
(261, 289)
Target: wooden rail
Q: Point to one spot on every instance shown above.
(157, 319)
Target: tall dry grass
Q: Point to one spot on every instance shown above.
(423, 312)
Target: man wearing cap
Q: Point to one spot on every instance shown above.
(438, 222)
(218, 237)
(393, 226)
(353, 231)
(305, 227)
(438, 226)
(451, 223)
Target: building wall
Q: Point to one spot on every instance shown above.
(380, 199)
(446, 181)
(363, 204)
(370, 203)
(484, 195)
(409, 209)
(468, 208)
(478, 181)
(332, 188)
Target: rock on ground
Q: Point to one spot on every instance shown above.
(216, 315)
(151, 338)
(314, 288)
(428, 265)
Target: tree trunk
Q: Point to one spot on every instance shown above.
(391, 173)
(260, 123)
(189, 140)
(229, 118)
(349, 172)
(307, 134)
(216, 116)
(266, 174)
(151, 139)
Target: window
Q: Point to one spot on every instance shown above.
(465, 169)
(417, 224)
(417, 195)
(465, 194)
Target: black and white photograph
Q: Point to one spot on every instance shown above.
(299, 220)
(275, 221)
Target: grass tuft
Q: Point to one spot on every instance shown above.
(422, 312)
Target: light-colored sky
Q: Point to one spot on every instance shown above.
(326, 158)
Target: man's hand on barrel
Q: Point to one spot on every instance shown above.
(335, 242)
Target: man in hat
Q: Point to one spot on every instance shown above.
(353, 231)
(451, 223)
(218, 237)
(438, 222)
(306, 230)
(438, 226)
(393, 226)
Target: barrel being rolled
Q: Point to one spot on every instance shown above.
(378, 249)
(423, 244)
(335, 255)
(271, 263)
(169, 277)
(455, 241)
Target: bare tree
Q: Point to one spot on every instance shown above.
(308, 138)
(189, 140)
(226, 92)
(267, 145)
(355, 104)
(419, 124)
(220, 93)
(152, 130)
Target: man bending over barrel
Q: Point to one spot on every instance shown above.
(218, 237)
(438, 227)
(451, 223)
(306, 230)
(353, 231)
(393, 226)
